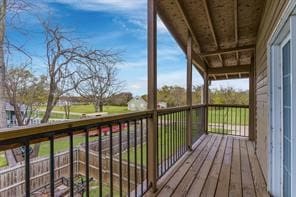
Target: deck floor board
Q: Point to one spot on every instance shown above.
(218, 166)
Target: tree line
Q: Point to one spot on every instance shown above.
(176, 95)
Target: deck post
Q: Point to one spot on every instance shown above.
(252, 101)
(152, 94)
(189, 93)
(205, 100)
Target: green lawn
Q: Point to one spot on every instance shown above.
(229, 116)
(2, 160)
(59, 115)
(90, 109)
(62, 144)
(94, 188)
(165, 149)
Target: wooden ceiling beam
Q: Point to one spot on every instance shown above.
(230, 50)
(212, 28)
(222, 77)
(229, 70)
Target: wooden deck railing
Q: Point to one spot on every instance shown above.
(228, 119)
(126, 164)
(121, 145)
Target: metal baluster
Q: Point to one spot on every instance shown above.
(100, 163)
(51, 159)
(240, 121)
(147, 153)
(71, 165)
(111, 159)
(135, 155)
(27, 169)
(87, 162)
(128, 159)
(142, 175)
(120, 159)
(161, 144)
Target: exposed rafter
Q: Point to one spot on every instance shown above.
(212, 29)
(187, 22)
(230, 50)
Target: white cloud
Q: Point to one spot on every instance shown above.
(105, 5)
(141, 63)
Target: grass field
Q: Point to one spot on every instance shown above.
(94, 189)
(62, 144)
(60, 115)
(167, 146)
(2, 160)
(90, 109)
(229, 116)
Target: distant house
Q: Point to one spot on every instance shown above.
(137, 104)
(10, 114)
(162, 105)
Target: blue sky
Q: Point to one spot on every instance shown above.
(112, 24)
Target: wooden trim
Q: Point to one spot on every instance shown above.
(230, 69)
(152, 93)
(230, 50)
(189, 92)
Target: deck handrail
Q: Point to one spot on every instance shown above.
(24, 131)
(229, 105)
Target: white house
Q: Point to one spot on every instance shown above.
(162, 105)
(137, 104)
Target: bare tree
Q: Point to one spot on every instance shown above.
(101, 80)
(63, 55)
(25, 92)
(13, 7)
(67, 105)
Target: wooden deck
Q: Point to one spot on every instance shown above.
(218, 166)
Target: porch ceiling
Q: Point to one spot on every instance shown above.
(224, 32)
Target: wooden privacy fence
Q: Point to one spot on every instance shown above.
(12, 179)
(94, 170)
